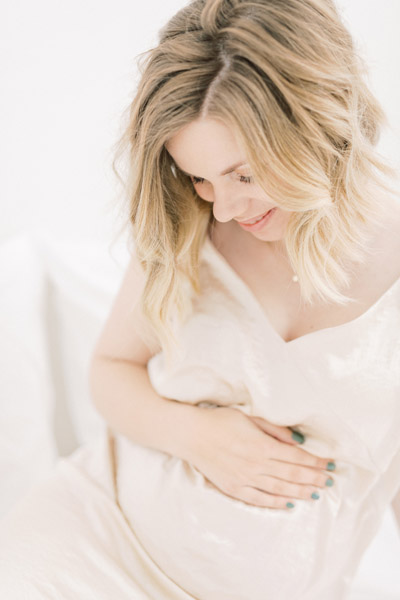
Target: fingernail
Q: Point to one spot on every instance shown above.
(290, 505)
(331, 466)
(298, 437)
(329, 482)
(315, 495)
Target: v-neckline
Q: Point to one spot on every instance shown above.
(245, 289)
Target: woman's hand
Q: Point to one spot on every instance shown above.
(252, 460)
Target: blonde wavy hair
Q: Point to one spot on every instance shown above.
(286, 76)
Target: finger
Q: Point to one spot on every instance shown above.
(296, 474)
(293, 454)
(280, 487)
(252, 495)
(257, 497)
(284, 434)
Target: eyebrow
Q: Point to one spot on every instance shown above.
(225, 172)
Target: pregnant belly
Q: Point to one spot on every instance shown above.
(216, 547)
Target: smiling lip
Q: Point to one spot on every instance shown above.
(259, 224)
(249, 220)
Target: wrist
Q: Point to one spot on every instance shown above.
(182, 427)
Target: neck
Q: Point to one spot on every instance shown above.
(277, 248)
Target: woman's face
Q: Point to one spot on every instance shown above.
(208, 152)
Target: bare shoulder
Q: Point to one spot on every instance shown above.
(123, 336)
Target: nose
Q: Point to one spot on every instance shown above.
(227, 203)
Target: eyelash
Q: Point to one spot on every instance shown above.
(242, 179)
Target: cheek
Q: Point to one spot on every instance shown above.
(287, 215)
(205, 193)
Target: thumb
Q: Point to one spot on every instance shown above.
(284, 434)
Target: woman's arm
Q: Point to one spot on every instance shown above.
(119, 383)
(123, 395)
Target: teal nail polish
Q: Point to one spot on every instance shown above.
(331, 466)
(290, 505)
(329, 482)
(315, 495)
(298, 437)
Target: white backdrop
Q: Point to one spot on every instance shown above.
(68, 72)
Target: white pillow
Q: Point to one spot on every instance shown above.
(84, 278)
(27, 446)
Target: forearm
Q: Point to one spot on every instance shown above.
(123, 395)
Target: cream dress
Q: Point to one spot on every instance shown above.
(118, 520)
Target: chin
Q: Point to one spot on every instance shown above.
(268, 236)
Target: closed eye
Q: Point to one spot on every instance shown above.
(241, 179)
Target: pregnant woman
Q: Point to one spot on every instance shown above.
(249, 370)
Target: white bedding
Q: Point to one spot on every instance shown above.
(98, 549)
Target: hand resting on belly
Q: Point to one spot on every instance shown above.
(255, 461)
